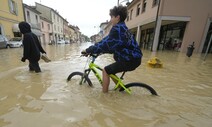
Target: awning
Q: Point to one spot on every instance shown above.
(37, 32)
(15, 28)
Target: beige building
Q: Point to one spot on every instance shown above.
(179, 23)
(107, 29)
(73, 35)
(55, 18)
(102, 27)
(66, 31)
(77, 33)
(46, 29)
(11, 13)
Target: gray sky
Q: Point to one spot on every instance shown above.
(86, 14)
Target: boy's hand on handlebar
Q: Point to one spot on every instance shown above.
(84, 53)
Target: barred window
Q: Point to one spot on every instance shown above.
(131, 12)
(144, 6)
(127, 16)
(138, 9)
(48, 26)
(28, 17)
(42, 24)
(155, 3)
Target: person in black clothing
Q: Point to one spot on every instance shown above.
(31, 47)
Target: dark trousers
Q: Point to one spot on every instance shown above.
(34, 66)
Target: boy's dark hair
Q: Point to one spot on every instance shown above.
(119, 10)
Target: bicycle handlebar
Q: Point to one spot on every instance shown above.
(91, 54)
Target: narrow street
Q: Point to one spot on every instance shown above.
(45, 99)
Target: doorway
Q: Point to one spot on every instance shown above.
(171, 36)
(206, 44)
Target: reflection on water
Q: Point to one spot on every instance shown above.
(184, 85)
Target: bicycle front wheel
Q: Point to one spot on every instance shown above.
(84, 77)
(135, 87)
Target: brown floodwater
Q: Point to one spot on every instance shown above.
(28, 99)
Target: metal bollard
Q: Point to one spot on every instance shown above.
(190, 50)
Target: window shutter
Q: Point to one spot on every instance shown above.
(16, 8)
(9, 4)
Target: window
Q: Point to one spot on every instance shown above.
(13, 7)
(28, 17)
(144, 6)
(54, 27)
(0, 30)
(138, 9)
(36, 18)
(127, 16)
(155, 2)
(48, 26)
(131, 14)
(42, 24)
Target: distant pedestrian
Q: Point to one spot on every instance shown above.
(31, 47)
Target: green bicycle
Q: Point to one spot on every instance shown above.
(119, 85)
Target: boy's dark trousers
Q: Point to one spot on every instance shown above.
(34, 66)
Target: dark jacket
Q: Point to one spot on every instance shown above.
(32, 46)
(120, 42)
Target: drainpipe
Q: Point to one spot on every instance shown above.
(156, 23)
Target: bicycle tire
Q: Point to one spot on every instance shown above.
(136, 84)
(82, 76)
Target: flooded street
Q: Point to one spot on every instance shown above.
(28, 99)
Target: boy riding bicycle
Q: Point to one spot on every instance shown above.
(121, 43)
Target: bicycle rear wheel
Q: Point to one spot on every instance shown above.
(141, 85)
(84, 78)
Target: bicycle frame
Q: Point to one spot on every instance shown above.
(93, 67)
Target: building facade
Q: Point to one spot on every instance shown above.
(46, 29)
(102, 29)
(170, 24)
(107, 29)
(32, 16)
(77, 34)
(66, 32)
(11, 13)
(55, 18)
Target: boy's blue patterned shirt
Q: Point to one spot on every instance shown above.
(119, 42)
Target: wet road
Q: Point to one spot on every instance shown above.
(46, 100)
